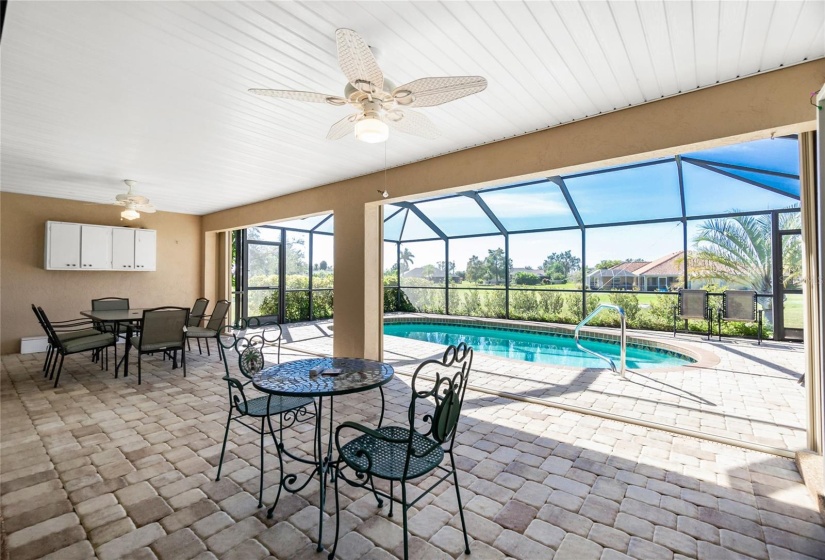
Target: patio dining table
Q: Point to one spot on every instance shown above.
(295, 379)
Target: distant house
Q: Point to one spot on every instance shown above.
(659, 275)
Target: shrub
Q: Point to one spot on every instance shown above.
(630, 304)
(526, 279)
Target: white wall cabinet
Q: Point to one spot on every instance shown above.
(123, 249)
(95, 247)
(145, 249)
(62, 246)
(92, 247)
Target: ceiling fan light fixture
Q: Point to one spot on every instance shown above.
(129, 214)
(371, 130)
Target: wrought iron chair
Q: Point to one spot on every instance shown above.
(65, 330)
(692, 304)
(289, 410)
(65, 347)
(403, 453)
(163, 329)
(213, 326)
(196, 316)
(740, 305)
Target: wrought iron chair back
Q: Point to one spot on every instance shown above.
(440, 398)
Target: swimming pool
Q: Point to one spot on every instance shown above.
(541, 347)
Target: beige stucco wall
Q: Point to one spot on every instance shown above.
(62, 294)
(775, 102)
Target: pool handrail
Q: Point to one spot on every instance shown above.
(623, 322)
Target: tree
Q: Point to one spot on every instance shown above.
(427, 271)
(495, 265)
(568, 262)
(556, 273)
(737, 250)
(440, 266)
(475, 270)
(608, 263)
(407, 259)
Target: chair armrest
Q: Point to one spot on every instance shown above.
(368, 431)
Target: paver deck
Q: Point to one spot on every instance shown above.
(101, 467)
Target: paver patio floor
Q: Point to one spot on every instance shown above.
(101, 467)
(752, 394)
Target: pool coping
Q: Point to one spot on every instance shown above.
(703, 357)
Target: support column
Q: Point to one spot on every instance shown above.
(812, 250)
(358, 296)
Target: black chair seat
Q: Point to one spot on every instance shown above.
(388, 459)
(277, 405)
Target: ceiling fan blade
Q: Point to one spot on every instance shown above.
(342, 128)
(357, 61)
(427, 92)
(412, 122)
(147, 209)
(307, 96)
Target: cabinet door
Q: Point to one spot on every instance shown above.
(95, 247)
(145, 240)
(63, 247)
(123, 249)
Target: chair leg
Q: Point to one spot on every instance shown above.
(331, 555)
(48, 362)
(220, 357)
(57, 378)
(206, 341)
(261, 478)
(460, 507)
(183, 360)
(188, 346)
(223, 449)
(199, 346)
(278, 447)
(392, 501)
(404, 518)
(54, 366)
(139, 371)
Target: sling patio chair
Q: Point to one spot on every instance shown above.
(196, 316)
(740, 305)
(403, 453)
(213, 325)
(65, 330)
(163, 329)
(65, 347)
(112, 304)
(289, 410)
(693, 304)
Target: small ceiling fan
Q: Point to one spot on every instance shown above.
(379, 102)
(134, 203)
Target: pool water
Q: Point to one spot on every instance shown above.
(544, 348)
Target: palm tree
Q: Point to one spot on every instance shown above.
(407, 258)
(738, 250)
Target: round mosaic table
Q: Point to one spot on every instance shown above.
(294, 379)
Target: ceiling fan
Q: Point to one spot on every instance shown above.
(134, 203)
(380, 104)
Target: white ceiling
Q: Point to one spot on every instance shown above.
(97, 92)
